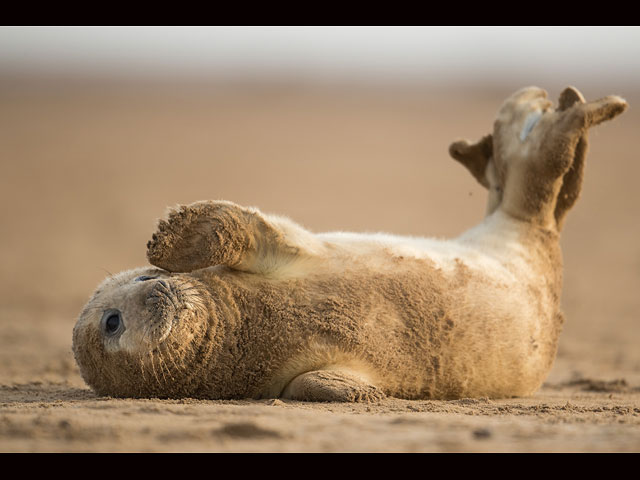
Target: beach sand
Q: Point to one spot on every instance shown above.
(87, 168)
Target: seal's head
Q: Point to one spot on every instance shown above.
(141, 332)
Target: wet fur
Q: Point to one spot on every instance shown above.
(256, 306)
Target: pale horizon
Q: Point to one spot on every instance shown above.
(439, 55)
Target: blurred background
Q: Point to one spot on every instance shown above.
(101, 129)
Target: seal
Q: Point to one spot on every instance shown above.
(240, 304)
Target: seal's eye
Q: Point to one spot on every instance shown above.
(144, 278)
(112, 322)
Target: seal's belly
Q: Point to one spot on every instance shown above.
(419, 332)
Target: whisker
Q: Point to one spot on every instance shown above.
(161, 371)
(180, 351)
(153, 368)
(108, 272)
(144, 378)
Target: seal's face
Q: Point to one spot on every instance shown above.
(140, 333)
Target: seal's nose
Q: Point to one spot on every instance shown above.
(144, 278)
(161, 295)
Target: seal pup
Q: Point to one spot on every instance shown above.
(240, 304)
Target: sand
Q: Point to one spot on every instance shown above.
(86, 168)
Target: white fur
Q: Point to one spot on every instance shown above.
(492, 248)
(532, 119)
(488, 247)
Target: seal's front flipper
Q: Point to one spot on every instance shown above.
(209, 233)
(201, 235)
(332, 386)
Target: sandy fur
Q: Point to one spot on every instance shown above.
(257, 306)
